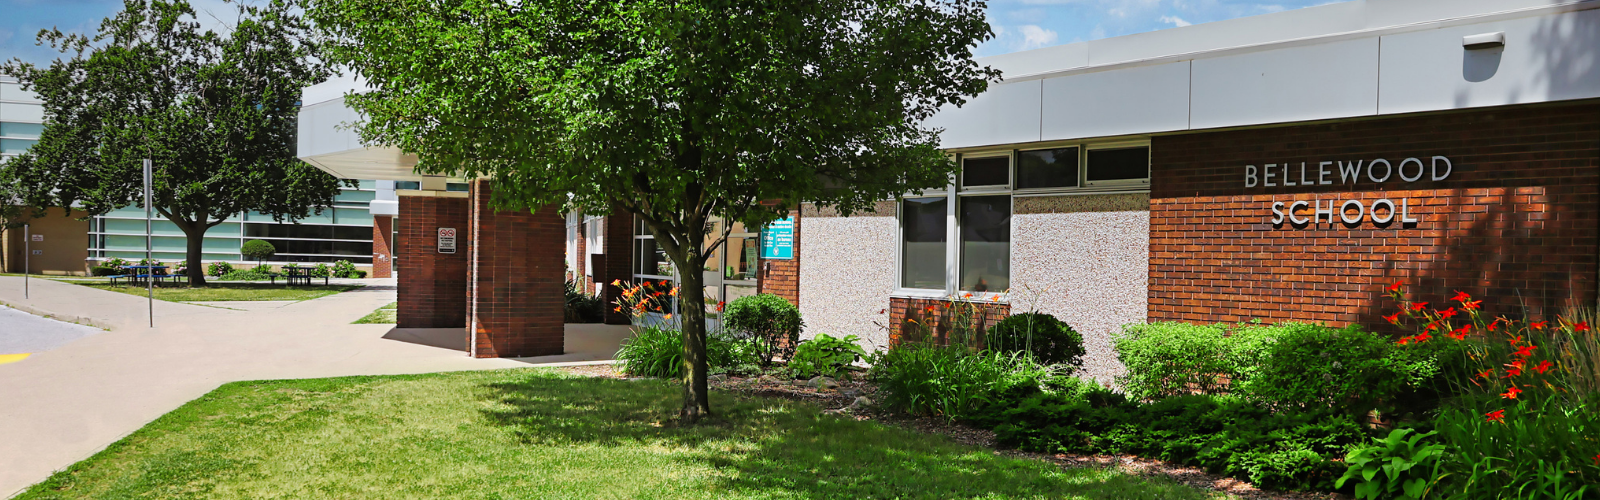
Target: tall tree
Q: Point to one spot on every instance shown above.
(676, 111)
(214, 111)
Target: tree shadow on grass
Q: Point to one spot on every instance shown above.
(762, 446)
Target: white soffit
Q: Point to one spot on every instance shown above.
(1134, 100)
(1313, 82)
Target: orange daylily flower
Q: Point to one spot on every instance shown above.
(1511, 393)
(1597, 459)
(1496, 416)
(1543, 366)
(1487, 373)
(1514, 340)
(669, 316)
(1514, 369)
(1460, 333)
(1447, 312)
(1393, 288)
(1393, 318)
(1494, 324)
(1581, 327)
(1461, 296)
(1472, 306)
(1422, 337)
(1419, 306)
(1525, 351)
(1404, 341)
(1540, 325)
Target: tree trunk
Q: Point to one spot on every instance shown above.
(195, 233)
(692, 308)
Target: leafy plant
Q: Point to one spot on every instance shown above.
(656, 351)
(1396, 466)
(825, 356)
(1171, 358)
(951, 381)
(582, 307)
(219, 269)
(1536, 448)
(257, 250)
(1312, 366)
(1048, 339)
(344, 269)
(321, 270)
(768, 321)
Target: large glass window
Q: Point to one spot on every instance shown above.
(922, 259)
(985, 172)
(1119, 164)
(1047, 168)
(985, 243)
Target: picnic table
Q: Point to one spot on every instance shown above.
(291, 275)
(143, 274)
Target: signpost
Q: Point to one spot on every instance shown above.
(447, 240)
(27, 254)
(150, 270)
(777, 240)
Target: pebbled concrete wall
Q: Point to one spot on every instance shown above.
(848, 273)
(1084, 259)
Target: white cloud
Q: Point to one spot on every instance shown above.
(1034, 37)
(1175, 21)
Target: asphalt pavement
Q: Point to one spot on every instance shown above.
(23, 333)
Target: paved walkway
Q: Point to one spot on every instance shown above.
(23, 334)
(60, 406)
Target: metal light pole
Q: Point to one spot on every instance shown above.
(27, 253)
(150, 271)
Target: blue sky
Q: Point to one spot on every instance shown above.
(1018, 24)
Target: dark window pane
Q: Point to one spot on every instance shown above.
(985, 243)
(1121, 163)
(922, 257)
(459, 187)
(352, 233)
(1047, 168)
(411, 185)
(986, 171)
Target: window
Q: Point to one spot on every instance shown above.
(1119, 164)
(922, 257)
(975, 255)
(1047, 168)
(411, 185)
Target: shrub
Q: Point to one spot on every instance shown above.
(658, 352)
(116, 262)
(321, 270)
(344, 269)
(825, 356)
(582, 307)
(1393, 467)
(1311, 366)
(257, 250)
(104, 271)
(952, 382)
(1170, 359)
(219, 269)
(768, 321)
(1049, 340)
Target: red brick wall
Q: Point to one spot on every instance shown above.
(515, 281)
(433, 286)
(1515, 222)
(782, 277)
(382, 231)
(618, 263)
(906, 314)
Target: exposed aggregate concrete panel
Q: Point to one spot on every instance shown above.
(847, 275)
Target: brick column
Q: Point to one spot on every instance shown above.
(382, 260)
(514, 286)
(433, 289)
(619, 263)
(782, 277)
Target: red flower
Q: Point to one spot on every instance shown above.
(1404, 340)
(1514, 340)
(1487, 373)
(1494, 324)
(1525, 351)
(1422, 337)
(1511, 393)
(1432, 325)
(1393, 318)
(1460, 333)
(1496, 416)
(1394, 288)
(1514, 369)
(1472, 306)
(1543, 366)
(1419, 306)
(1461, 296)
(1540, 325)
(1581, 327)
(1447, 312)
(1597, 459)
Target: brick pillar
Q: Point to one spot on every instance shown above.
(580, 257)
(514, 286)
(782, 277)
(382, 231)
(619, 263)
(433, 289)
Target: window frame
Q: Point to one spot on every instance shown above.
(953, 191)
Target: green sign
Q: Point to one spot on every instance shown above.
(777, 240)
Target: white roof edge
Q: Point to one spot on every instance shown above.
(335, 87)
(1199, 36)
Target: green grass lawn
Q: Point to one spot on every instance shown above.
(383, 316)
(227, 291)
(536, 433)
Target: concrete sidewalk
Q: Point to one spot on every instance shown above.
(61, 406)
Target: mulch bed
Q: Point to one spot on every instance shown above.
(838, 400)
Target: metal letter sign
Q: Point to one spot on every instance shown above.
(777, 240)
(447, 240)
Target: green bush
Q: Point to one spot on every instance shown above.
(654, 351)
(1311, 366)
(1393, 467)
(344, 269)
(1049, 340)
(219, 269)
(582, 307)
(321, 270)
(257, 250)
(952, 382)
(825, 356)
(104, 271)
(1170, 359)
(769, 322)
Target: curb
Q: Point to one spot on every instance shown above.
(82, 320)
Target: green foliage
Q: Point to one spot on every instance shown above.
(1393, 467)
(104, 271)
(1540, 448)
(215, 111)
(321, 270)
(257, 250)
(582, 307)
(769, 322)
(258, 273)
(1172, 358)
(344, 269)
(825, 356)
(952, 382)
(1048, 339)
(1311, 366)
(219, 269)
(654, 351)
